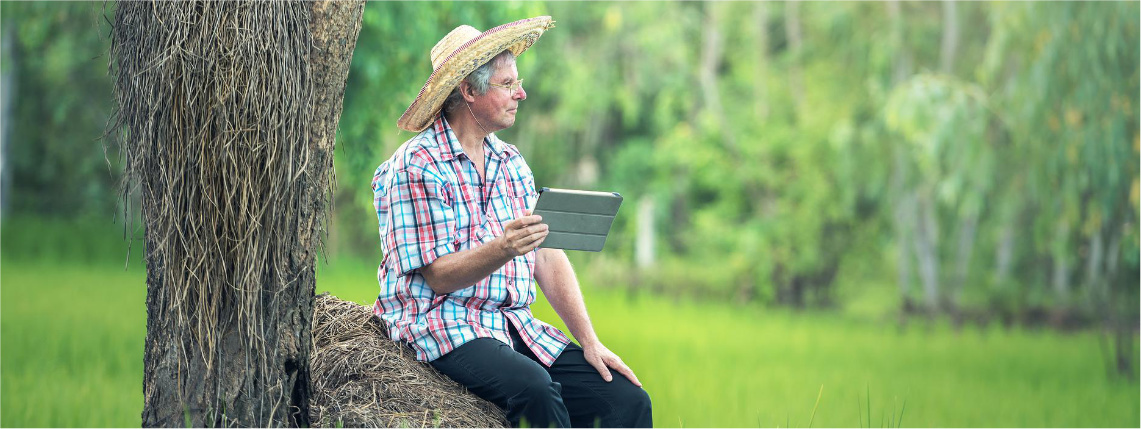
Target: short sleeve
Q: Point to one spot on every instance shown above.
(420, 213)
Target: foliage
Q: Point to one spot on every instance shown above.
(986, 151)
(1066, 84)
(56, 80)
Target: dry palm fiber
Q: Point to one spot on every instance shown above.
(213, 122)
(361, 378)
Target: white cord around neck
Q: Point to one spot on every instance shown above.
(485, 132)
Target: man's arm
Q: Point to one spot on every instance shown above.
(462, 269)
(556, 277)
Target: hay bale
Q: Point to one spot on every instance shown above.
(360, 378)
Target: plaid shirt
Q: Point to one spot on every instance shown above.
(430, 202)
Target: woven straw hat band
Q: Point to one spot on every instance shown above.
(459, 53)
(451, 42)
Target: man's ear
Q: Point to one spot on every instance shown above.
(466, 91)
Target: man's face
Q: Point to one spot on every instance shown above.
(496, 109)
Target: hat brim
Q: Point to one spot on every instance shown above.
(514, 36)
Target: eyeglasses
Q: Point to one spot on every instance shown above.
(510, 87)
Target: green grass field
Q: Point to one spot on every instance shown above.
(71, 351)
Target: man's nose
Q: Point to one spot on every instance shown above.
(521, 94)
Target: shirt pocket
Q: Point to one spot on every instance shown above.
(516, 200)
(466, 207)
(500, 209)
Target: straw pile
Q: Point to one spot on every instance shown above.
(361, 378)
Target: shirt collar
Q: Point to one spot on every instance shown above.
(450, 145)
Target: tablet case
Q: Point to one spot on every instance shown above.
(577, 220)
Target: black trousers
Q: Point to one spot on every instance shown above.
(570, 393)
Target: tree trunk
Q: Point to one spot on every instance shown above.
(901, 66)
(927, 250)
(969, 223)
(761, 94)
(585, 170)
(966, 246)
(644, 244)
(1123, 350)
(906, 212)
(1122, 322)
(950, 43)
(1004, 253)
(8, 92)
(795, 45)
(1095, 287)
(226, 117)
(904, 229)
(1061, 275)
(711, 51)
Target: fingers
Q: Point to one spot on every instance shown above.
(535, 231)
(600, 366)
(535, 240)
(531, 235)
(524, 234)
(522, 222)
(606, 360)
(621, 367)
(531, 242)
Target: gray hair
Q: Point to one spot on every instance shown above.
(479, 79)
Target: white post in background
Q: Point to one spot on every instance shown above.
(7, 88)
(644, 244)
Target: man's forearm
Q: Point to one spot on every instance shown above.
(556, 277)
(462, 269)
(458, 270)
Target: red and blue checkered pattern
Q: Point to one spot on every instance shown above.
(430, 202)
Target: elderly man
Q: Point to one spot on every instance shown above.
(461, 252)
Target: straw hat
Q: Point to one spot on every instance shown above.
(461, 52)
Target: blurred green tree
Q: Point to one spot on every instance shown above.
(57, 101)
(983, 156)
(1065, 76)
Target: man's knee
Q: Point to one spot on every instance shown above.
(538, 403)
(540, 389)
(639, 400)
(634, 409)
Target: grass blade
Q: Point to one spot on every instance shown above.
(818, 395)
(869, 392)
(899, 423)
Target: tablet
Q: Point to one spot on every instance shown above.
(577, 220)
